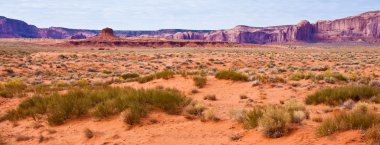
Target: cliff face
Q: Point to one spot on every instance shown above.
(10, 28)
(364, 27)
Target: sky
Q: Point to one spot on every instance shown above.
(181, 14)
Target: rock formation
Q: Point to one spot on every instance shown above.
(363, 27)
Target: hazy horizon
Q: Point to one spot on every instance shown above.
(170, 14)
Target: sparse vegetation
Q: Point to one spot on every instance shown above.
(372, 135)
(251, 118)
(200, 81)
(100, 102)
(195, 110)
(243, 97)
(130, 76)
(12, 88)
(342, 121)
(336, 96)
(166, 74)
(302, 76)
(231, 75)
(210, 97)
(210, 114)
(275, 122)
(194, 91)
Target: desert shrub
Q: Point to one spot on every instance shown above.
(363, 107)
(200, 81)
(301, 76)
(317, 119)
(275, 122)
(101, 102)
(336, 96)
(238, 115)
(130, 76)
(107, 72)
(166, 74)
(372, 135)
(134, 114)
(343, 121)
(251, 118)
(329, 126)
(210, 114)
(82, 82)
(296, 110)
(243, 97)
(12, 88)
(277, 79)
(231, 75)
(195, 110)
(210, 97)
(262, 78)
(194, 91)
(331, 76)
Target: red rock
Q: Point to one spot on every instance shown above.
(364, 27)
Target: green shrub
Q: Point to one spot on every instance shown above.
(297, 110)
(301, 76)
(134, 114)
(196, 110)
(200, 81)
(363, 107)
(372, 135)
(275, 122)
(107, 72)
(332, 76)
(166, 74)
(12, 88)
(231, 75)
(329, 126)
(336, 96)
(130, 76)
(251, 118)
(82, 82)
(101, 102)
(210, 115)
(343, 121)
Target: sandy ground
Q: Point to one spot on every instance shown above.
(176, 129)
(172, 130)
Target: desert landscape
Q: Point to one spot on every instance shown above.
(302, 84)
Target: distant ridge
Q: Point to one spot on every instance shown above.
(361, 28)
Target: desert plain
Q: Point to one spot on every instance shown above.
(218, 106)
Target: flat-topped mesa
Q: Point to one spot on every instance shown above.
(107, 34)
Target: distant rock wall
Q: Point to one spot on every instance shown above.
(364, 27)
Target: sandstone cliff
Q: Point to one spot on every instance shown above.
(363, 27)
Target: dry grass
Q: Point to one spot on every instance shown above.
(348, 120)
(100, 102)
(12, 88)
(200, 81)
(231, 75)
(336, 96)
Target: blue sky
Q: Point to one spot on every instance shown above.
(185, 14)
